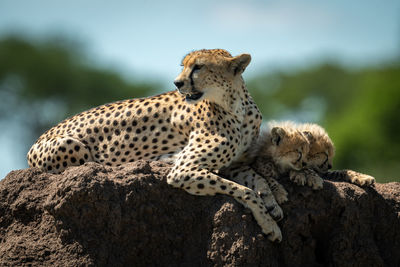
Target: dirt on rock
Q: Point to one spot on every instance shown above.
(94, 215)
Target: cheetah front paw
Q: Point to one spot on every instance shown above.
(263, 215)
(298, 177)
(269, 227)
(275, 233)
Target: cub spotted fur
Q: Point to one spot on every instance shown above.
(321, 153)
(280, 149)
(277, 147)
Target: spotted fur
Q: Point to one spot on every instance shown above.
(280, 150)
(205, 126)
(320, 157)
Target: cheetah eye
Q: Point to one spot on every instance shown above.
(197, 67)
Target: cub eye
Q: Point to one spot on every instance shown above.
(323, 157)
(300, 155)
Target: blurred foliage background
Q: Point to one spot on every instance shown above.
(43, 82)
(360, 109)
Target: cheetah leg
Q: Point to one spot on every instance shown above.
(279, 192)
(352, 177)
(203, 182)
(56, 154)
(245, 175)
(307, 177)
(268, 171)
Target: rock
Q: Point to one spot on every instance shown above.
(128, 216)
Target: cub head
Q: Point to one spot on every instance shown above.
(322, 150)
(210, 74)
(287, 146)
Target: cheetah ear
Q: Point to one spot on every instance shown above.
(277, 133)
(239, 63)
(310, 136)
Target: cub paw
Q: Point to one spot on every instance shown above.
(363, 180)
(315, 182)
(298, 177)
(276, 212)
(272, 206)
(280, 194)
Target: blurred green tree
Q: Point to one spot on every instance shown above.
(43, 82)
(359, 108)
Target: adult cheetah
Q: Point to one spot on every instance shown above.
(207, 125)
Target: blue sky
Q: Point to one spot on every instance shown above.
(148, 39)
(151, 37)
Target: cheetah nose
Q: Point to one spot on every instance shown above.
(304, 164)
(178, 84)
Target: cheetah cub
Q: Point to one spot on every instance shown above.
(280, 149)
(320, 156)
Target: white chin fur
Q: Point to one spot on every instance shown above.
(213, 94)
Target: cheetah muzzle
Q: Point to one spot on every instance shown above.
(193, 96)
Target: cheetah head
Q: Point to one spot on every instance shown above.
(321, 152)
(210, 74)
(289, 148)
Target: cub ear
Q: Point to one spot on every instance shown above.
(277, 133)
(239, 63)
(310, 136)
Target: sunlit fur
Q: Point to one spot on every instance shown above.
(283, 144)
(321, 155)
(321, 151)
(204, 134)
(213, 73)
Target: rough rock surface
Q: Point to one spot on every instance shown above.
(128, 216)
